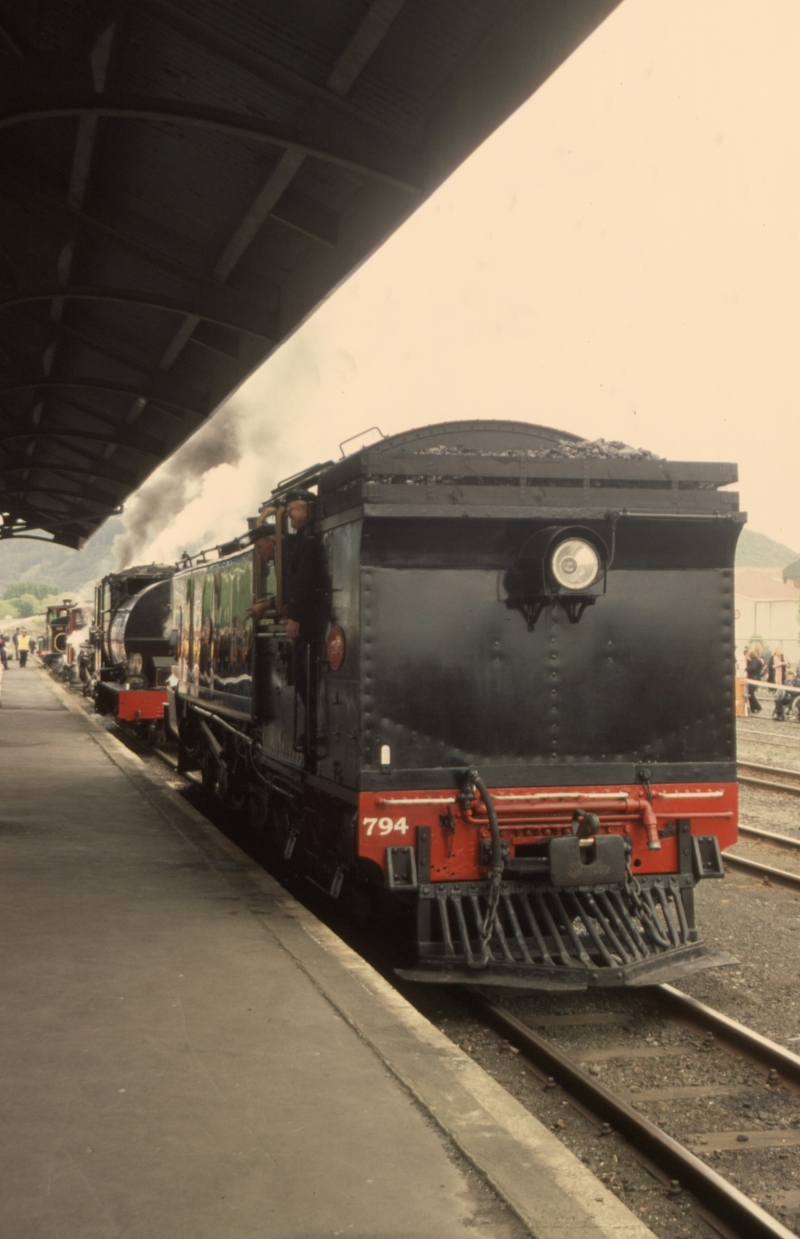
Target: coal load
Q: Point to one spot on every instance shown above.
(563, 449)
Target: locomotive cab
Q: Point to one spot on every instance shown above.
(132, 645)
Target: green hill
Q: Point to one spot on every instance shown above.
(70, 570)
(756, 550)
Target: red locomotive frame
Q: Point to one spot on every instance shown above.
(531, 814)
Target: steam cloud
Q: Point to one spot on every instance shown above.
(160, 500)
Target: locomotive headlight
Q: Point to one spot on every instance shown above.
(575, 564)
(562, 567)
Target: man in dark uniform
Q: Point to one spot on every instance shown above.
(263, 538)
(306, 598)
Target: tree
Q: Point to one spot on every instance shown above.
(39, 589)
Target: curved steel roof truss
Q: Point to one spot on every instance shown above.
(183, 183)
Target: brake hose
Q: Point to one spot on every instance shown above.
(496, 872)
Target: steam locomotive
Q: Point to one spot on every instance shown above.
(65, 624)
(130, 655)
(56, 627)
(519, 723)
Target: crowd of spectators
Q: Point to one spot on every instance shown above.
(772, 667)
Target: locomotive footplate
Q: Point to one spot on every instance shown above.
(639, 931)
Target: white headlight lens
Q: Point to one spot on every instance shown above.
(575, 564)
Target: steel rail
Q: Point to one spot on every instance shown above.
(189, 775)
(772, 744)
(728, 1031)
(769, 836)
(768, 784)
(760, 767)
(781, 877)
(756, 736)
(747, 1219)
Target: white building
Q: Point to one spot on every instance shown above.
(766, 609)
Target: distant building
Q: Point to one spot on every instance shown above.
(766, 607)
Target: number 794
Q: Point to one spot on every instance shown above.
(385, 825)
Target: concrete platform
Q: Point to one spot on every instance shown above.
(186, 1053)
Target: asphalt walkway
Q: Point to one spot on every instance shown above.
(186, 1054)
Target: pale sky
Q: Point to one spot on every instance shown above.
(620, 260)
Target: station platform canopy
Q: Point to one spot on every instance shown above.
(183, 181)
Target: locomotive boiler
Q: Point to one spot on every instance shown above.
(519, 723)
(132, 642)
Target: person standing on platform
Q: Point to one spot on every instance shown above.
(23, 648)
(15, 639)
(755, 670)
(3, 652)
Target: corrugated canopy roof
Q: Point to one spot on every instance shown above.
(183, 183)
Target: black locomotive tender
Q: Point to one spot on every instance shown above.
(523, 710)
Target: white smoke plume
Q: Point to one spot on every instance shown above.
(76, 639)
(177, 482)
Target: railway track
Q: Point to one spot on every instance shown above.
(758, 735)
(744, 864)
(781, 779)
(676, 1162)
(172, 762)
